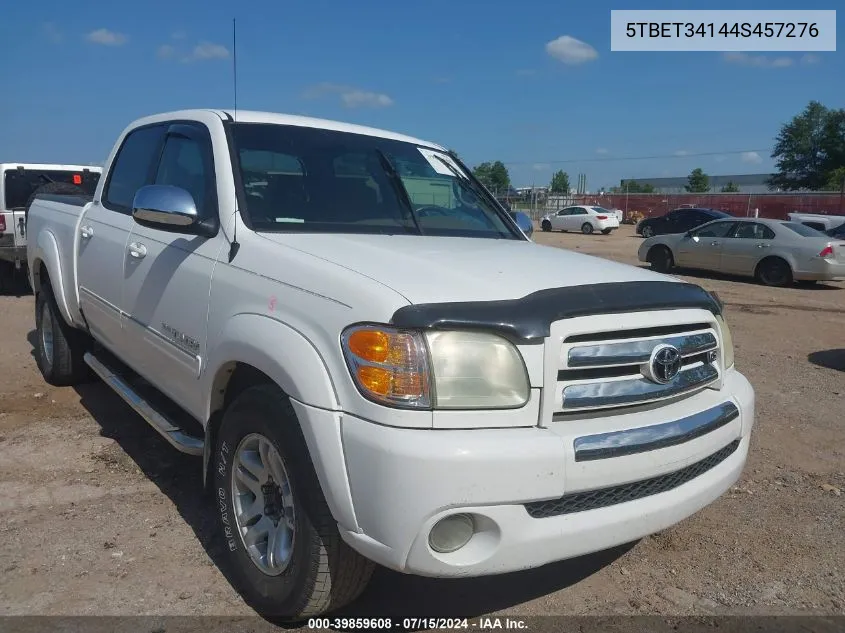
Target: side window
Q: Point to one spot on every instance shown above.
(754, 231)
(182, 165)
(131, 168)
(717, 229)
(579, 211)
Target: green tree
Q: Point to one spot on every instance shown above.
(631, 186)
(560, 182)
(697, 181)
(494, 175)
(731, 187)
(809, 149)
(836, 180)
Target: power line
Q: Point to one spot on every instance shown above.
(605, 159)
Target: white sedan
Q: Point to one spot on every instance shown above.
(586, 219)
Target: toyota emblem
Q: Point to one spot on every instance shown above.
(664, 364)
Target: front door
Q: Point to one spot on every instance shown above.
(702, 248)
(167, 276)
(103, 235)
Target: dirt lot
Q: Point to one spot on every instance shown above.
(100, 516)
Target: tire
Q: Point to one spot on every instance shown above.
(660, 258)
(586, 228)
(546, 226)
(59, 347)
(606, 231)
(320, 572)
(774, 271)
(647, 232)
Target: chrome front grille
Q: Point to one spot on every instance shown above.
(614, 368)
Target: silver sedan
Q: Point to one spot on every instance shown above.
(775, 252)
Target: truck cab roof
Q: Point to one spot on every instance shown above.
(276, 118)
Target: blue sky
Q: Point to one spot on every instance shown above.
(479, 78)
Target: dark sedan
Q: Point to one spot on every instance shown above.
(678, 221)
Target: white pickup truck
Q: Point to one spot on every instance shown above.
(378, 376)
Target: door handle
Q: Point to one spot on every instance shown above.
(762, 246)
(136, 250)
(714, 243)
(86, 232)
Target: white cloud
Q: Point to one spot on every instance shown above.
(751, 157)
(809, 58)
(757, 61)
(165, 51)
(350, 96)
(682, 152)
(541, 166)
(721, 158)
(207, 50)
(106, 37)
(52, 32)
(602, 150)
(571, 51)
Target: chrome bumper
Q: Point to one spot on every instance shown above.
(649, 438)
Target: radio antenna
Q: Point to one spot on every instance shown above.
(234, 247)
(235, 63)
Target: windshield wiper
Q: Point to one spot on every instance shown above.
(399, 188)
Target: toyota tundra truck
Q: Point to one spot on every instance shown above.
(19, 182)
(374, 376)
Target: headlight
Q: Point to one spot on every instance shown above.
(441, 370)
(476, 370)
(727, 341)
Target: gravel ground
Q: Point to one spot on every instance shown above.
(98, 516)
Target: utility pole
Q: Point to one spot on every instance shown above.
(841, 194)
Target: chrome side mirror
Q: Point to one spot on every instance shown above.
(169, 208)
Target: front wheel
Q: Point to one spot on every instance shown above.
(281, 543)
(546, 226)
(661, 259)
(586, 228)
(647, 232)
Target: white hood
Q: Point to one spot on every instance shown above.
(428, 269)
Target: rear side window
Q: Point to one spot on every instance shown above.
(802, 230)
(131, 167)
(20, 184)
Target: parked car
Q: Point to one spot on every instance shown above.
(678, 221)
(372, 380)
(19, 182)
(586, 219)
(818, 221)
(775, 252)
(838, 232)
(523, 221)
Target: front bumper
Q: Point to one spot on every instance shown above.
(403, 481)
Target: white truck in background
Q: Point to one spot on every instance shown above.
(19, 182)
(372, 378)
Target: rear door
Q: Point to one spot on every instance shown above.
(745, 246)
(167, 276)
(104, 232)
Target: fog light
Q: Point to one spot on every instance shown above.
(451, 533)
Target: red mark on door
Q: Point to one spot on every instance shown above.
(272, 304)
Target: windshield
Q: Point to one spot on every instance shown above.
(19, 184)
(301, 179)
(803, 229)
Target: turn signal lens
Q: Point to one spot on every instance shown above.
(388, 365)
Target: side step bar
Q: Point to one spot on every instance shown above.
(169, 431)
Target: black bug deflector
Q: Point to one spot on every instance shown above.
(528, 319)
